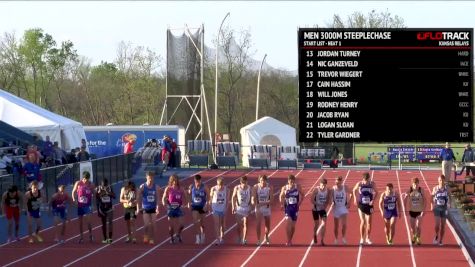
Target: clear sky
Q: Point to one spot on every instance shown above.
(96, 28)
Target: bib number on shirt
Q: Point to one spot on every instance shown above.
(197, 199)
(106, 199)
(220, 200)
(440, 202)
(174, 205)
(365, 200)
(263, 199)
(391, 206)
(292, 200)
(151, 198)
(82, 199)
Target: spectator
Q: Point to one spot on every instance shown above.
(83, 155)
(468, 158)
(71, 157)
(31, 169)
(5, 162)
(59, 154)
(166, 148)
(447, 156)
(334, 157)
(173, 147)
(33, 150)
(48, 150)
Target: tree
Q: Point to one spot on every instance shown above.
(372, 20)
(236, 51)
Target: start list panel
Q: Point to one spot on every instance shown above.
(385, 85)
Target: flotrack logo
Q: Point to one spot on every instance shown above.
(438, 36)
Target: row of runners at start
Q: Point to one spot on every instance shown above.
(244, 200)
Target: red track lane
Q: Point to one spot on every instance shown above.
(276, 254)
(240, 253)
(119, 259)
(335, 255)
(48, 251)
(235, 255)
(398, 254)
(169, 251)
(428, 254)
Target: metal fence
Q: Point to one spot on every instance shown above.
(115, 168)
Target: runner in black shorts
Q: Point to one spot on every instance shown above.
(128, 198)
(366, 190)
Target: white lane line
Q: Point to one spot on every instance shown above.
(405, 220)
(311, 242)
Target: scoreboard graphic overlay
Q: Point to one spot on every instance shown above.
(385, 85)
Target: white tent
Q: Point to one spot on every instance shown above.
(267, 131)
(33, 119)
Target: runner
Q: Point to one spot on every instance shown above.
(173, 198)
(128, 198)
(366, 194)
(439, 206)
(33, 200)
(390, 207)
(12, 201)
(59, 203)
(147, 204)
(262, 199)
(291, 196)
(84, 190)
(241, 206)
(341, 204)
(104, 197)
(198, 194)
(416, 204)
(219, 197)
(321, 198)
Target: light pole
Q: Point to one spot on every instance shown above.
(258, 84)
(216, 86)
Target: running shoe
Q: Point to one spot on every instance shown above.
(9, 240)
(172, 240)
(387, 241)
(56, 240)
(315, 241)
(151, 242)
(343, 240)
(80, 240)
(109, 240)
(61, 241)
(288, 244)
(258, 243)
(197, 241)
(435, 242)
(134, 240)
(267, 241)
(38, 237)
(441, 244)
(128, 240)
(91, 238)
(178, 237)
(145, 239)
(105, 241)
(335, 242)
(361, 241)
(221, 242)
(390, 242)
(202, 238)
(414, 239)
(31, 241)
(418, 241)
(244, 242)
(217, 242)
(368, 242)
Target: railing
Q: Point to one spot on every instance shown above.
(115, 168)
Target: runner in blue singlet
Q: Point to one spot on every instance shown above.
(291, 196)
(147, 203)
(390, 207)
